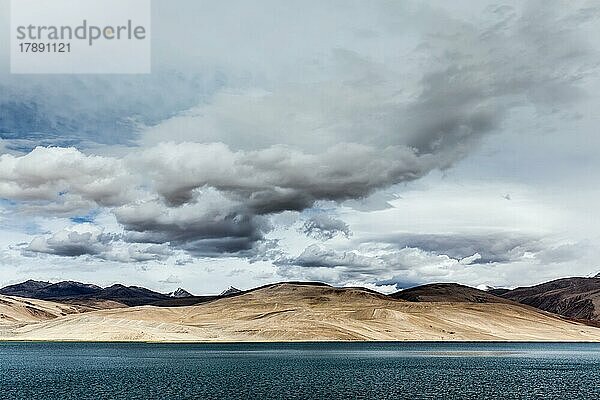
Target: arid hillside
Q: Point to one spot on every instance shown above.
(17, 312)
(300, 312)
(447, 292)
(571, 297)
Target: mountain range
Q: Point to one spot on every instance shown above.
(576, 297)
(564, 309)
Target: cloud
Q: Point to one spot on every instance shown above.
(371, 263)
(171, 279)
(64, 176)
(82, 240)
(490, 247)
(408, 260)
(325, 227)
(204, 198)
(211, 225)
(278, 178)
(318, 256)
(91, 241)
(125, 252)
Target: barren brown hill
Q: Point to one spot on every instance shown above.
(571, 297)
(447, 292)
(293, 312)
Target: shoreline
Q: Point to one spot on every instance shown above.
(2, 341)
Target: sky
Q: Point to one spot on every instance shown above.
(384, 144)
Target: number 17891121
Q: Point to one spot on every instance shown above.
(45, 47)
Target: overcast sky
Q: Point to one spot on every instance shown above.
(382, 143)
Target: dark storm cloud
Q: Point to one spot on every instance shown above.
(211, 226)
(223, 238)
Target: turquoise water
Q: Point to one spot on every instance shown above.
(299, 371)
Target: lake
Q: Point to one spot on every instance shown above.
(299, 371)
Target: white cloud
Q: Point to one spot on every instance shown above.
(371, 263)
(63, 175)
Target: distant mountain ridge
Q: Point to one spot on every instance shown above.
(74, 291)
(24, 289)
(577, 298)
(67, 289)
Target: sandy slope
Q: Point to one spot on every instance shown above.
(288, 312)
(17, 312)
